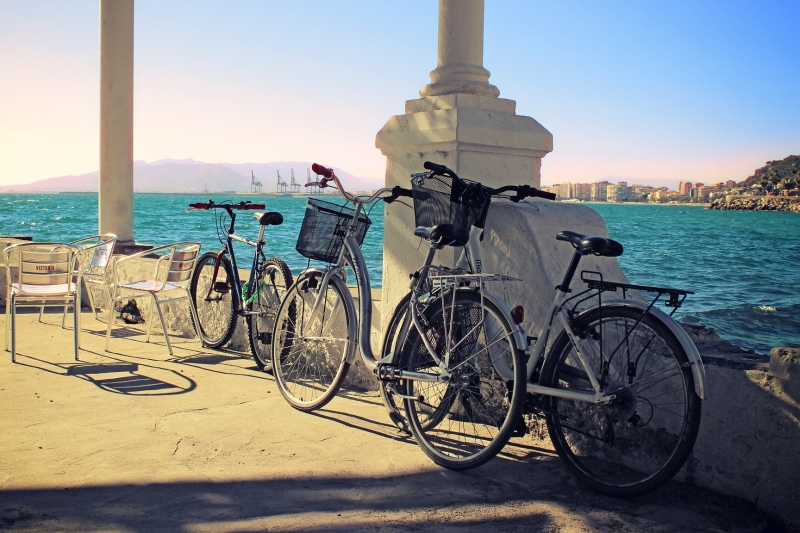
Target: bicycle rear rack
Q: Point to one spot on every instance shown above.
(594, 282)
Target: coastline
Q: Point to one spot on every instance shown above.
(758, 203)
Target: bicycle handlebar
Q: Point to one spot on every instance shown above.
(244, 205)
(329, 175)
(397, 192)
(523, 191)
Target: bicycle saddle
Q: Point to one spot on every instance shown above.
(443, 234)
(271, 218)
(591, 245)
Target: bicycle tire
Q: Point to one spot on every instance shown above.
(395, 409)
(640, 440)
(309, 360)
(477, 409)
(274, 279)
(217, 314)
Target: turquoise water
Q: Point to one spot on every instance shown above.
(743, 266)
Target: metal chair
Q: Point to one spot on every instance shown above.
(170, 277)
(45, 277)
(92, 261)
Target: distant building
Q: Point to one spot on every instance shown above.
(582, 191)
(600, 191)
(618, 192)
(564, 191)
(730, 184)
(685, 187)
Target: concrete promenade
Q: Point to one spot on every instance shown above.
(137, 440)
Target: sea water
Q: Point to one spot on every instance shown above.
(744, 266)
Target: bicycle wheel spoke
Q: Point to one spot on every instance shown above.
(309, 355)
(638, 440)
(473, 419)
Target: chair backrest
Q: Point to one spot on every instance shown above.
(182, 262)
(99, 255)
(39, 266)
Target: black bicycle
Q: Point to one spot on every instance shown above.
(217, 290)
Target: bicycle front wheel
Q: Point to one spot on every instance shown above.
(273, 281)
(216, 300)
(465, 421)
(309, 352)
(639, 440)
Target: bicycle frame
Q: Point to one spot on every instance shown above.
(471, 257)
(259, 245)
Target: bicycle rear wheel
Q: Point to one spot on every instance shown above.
(309, 357)
(216, 306)
(638, 441)
(466, 421)
(274, 279)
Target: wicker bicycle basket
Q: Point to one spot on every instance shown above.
(324, 228)
(447, 200)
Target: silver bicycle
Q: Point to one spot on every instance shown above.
(462, 411)
(621, 382)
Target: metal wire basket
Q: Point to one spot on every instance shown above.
(324, 228)
(447, 200)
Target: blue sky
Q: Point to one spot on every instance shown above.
(651, 92)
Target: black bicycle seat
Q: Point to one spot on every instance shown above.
(270, 218)
(444, 234)
(591, 245)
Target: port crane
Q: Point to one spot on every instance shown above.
(281, 184)
(255, 185)
(295, 186)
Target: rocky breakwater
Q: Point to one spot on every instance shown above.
(750, 426)
(757, 203)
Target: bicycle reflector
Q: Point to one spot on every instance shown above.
(518, 313)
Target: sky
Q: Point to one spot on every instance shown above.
(650, 92)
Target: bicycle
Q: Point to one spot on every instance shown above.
(621, 384)
(317, 331)
(219, 295)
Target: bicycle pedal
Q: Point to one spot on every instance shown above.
(520, 429)
(221, 287)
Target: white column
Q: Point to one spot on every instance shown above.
(460, 122)
(460, 57)
(116, 119)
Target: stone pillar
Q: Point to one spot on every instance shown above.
(460, 59)
(115, 199)
(460, 122)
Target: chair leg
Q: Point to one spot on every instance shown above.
(91, 300)
(163, 324)
(8, 320)
(110, 301)
(41, 312)
(77, 325)
(13, 332)
(110, 323)
(64, 316)
(150, 319)
(77, 308)
(193, 311)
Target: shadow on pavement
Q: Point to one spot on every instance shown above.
(435, 500)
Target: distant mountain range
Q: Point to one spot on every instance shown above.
(188, 175)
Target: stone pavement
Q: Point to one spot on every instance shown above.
(137, 440)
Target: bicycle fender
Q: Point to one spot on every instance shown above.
(518, 334)
(698, 370)
(350, 308)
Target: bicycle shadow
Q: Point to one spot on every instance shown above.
(505, 496)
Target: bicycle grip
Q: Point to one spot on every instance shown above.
(321, 171)
(255, 207)
(199, 205)
(546, 195)
(436, 169)
(398, 191)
